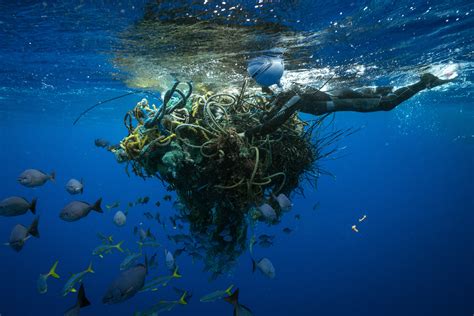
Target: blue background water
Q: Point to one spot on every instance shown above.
(409, 170)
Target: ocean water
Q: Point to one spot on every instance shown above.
(409, 170)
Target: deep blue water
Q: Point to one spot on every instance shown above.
(410, 170)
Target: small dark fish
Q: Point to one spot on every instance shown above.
(20, 234)
(148, 215)
(153, 263)
(34, 178)
(167, 197)
(180, 226)
(178, 252)
(173, 222)
(239, 309)
(15, 205)
(298, 216)
(146, 235)
(179, 238)
(76, 210)
(74, 186)
(265, 243)
(130, 204)
(316, 206)
(287, 230)
(266, 237)
(158, 217)
(127, 284)
(158, 203)
(142, 200)
(113, 205)
(196, 256)
(135, 230)
(100, 142)
(81, 302)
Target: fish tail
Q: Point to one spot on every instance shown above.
(119, 246)
(82, 300)
(182, 299)
(229, 290)
(33, 230)
(96, 207)
(52, 176)
(33, 205)
(176, 273)
(254, 265)
(234, 298)
(52, 272)
(89, 268)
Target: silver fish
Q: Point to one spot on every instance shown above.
(169, 259)
(74, 186)
(265, 266)
(268, 212)
(284, 202)
(120, 219)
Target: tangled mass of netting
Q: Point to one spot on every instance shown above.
(198, 145)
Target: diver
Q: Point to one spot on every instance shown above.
(313, 101)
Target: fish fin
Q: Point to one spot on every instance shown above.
(146, 264)
(229, 289)
(176, 273)
(52, 176)
(119, 246)
(33, 205)
(96, 207)
(233, 298)
(82, 189)
(89, 268)
(82, 300)
(246, 308)
(52, 272)
(33, 230)
(182, 299)
(254, 265)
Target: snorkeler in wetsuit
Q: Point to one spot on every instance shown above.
(313, 101)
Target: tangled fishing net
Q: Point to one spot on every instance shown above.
(200, 146)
